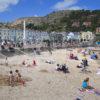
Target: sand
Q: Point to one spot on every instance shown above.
(46, 83)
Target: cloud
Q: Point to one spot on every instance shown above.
(35, 15)
(74, 8)
(4, 4)
(67, 4)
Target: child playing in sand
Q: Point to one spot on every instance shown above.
(23, 63)
(85, 85)
(11, 79)
(34, 63)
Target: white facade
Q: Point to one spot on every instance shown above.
(87, 36)
(73, 36)
(17, 35)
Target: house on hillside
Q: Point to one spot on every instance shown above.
(76, 24)
(87, 23)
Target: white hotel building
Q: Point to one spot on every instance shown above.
(17, 35)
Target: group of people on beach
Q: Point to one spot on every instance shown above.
(83, 64)
(7, 45)
(27, 64)
(15, 78)
(62, 68)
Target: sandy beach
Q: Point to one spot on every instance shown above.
(46, 83)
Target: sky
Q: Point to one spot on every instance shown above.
(11, 10)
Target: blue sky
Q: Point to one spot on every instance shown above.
(13, 9)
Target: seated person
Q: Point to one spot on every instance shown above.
(71, 56)
(85, 62)
(94, 56)
(2, 47)
(65, 69)
(34, 63)
(24, 63)
(11, 49)
(58, 67)
(76, 58)
(77, 99)
(85, 85)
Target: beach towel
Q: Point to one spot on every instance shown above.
(93, 91)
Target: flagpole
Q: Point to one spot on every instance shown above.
(24, 33)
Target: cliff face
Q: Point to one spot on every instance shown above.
(35, 20)
(46, 19)
(66, 20)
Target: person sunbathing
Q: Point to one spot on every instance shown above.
(80, 65)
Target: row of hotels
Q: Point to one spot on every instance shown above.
(16, 35)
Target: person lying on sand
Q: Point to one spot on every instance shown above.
(80, 65)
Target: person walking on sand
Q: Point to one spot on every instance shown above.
(11, 79)
(6, 61)
(18, 77)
